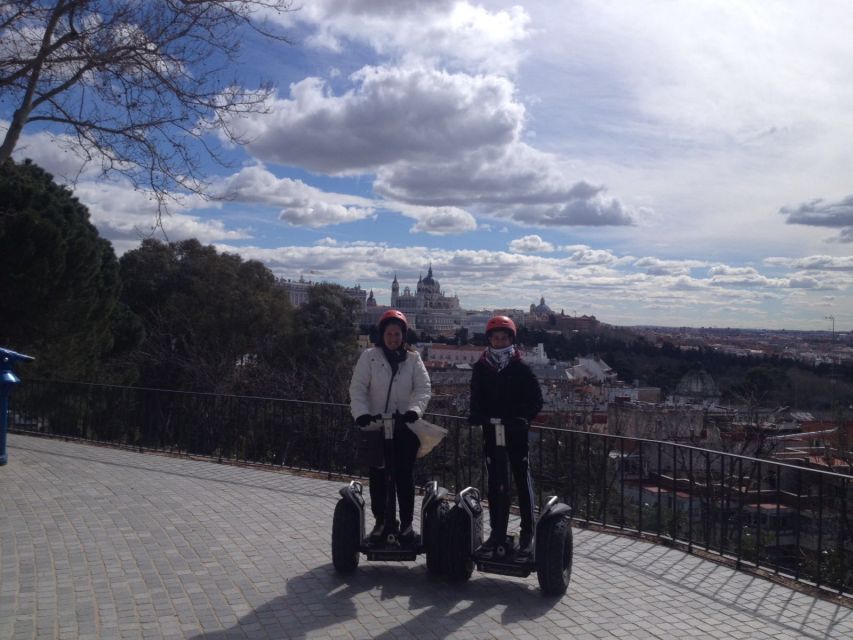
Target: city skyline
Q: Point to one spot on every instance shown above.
(386, 302)
(654, 164)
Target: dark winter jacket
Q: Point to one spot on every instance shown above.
(510, 393)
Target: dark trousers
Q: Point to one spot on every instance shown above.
(406, 445)
(516, 451)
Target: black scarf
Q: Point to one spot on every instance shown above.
(394, 358)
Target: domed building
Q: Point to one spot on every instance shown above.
(541, 311)
(697, 387)
(428, 309)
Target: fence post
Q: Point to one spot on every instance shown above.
(8, 379)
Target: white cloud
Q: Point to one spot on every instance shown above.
(804, 282)
(745, 278)
(58, 154)
(725, 270)
(686, 283)
(817, 262)
(302, 205)
(704, 70)
(439, 220)
(433, 138)
(322, 214)
(513, 181)
(713, 114)
(259, 185)
(657, 267)
(457, 33)
(584, 255)
(530, 244)
(125, 216)
(392, 114)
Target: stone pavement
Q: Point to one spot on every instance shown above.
(105, 543)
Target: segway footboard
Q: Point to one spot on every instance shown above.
(433, 516)
(389, 554)
(511, 566)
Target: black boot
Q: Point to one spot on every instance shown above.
(391, 526)
(489, 546)
(525, 543)
(376, 532)
(407, 533)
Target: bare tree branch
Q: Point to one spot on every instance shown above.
(145, 86)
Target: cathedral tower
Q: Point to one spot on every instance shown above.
(395, 291)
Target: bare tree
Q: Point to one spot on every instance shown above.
(137, 85)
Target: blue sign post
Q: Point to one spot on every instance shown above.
(8, 379)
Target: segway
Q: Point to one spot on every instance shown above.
(348, 528)
(552, 551)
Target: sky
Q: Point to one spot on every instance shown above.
(660, 162)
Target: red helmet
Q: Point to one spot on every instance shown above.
(501, 322)
(393, 315)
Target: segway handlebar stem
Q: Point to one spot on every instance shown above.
(500, 432)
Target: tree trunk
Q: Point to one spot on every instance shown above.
(13, 134)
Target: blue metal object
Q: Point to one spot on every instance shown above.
(7, 380)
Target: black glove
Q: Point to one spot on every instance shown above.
(410, 417)
(515, 424)
(364, 420)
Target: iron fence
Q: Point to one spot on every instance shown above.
(787, 519)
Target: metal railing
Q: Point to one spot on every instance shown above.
(774, 516)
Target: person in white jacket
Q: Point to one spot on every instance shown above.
(392, 378)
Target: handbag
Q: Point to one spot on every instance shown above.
(429, 434)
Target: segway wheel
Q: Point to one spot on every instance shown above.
(345, 536)
(554, 555)
(434, 525)
(458, 563)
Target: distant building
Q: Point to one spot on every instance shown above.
(697, 387)
(684, 423)
(541, 316)
(299, 291)
(448, 355)
(427, 309)
(541, 311)
(594, 370)
(475, 321)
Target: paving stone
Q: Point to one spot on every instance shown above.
(104, 543)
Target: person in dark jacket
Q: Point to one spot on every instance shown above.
(503, 386)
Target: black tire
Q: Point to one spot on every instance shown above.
(434, 536)
(345, 536)
(554, 555)
(458, 563)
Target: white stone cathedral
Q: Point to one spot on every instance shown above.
(427, 309)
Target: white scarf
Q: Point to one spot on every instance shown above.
(500, 357)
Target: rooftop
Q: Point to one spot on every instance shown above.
(100, 542)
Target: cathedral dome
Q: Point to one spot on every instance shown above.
(429, 280)
(541, 309)
(699, 385)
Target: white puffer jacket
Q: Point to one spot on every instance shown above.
(410, 390)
